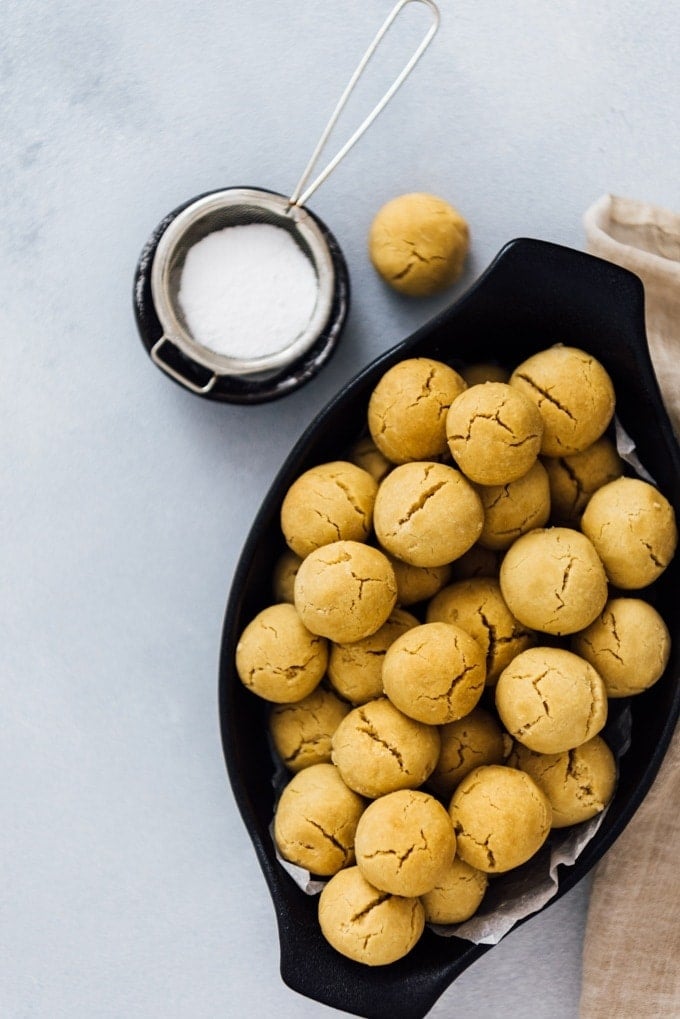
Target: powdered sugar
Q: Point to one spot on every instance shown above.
(247, 291)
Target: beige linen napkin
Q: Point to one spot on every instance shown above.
(631, 955)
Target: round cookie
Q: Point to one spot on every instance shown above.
(405, 842)
(484, 371)
(283, 578)
(316, 820)
(501, 818)
(574, 396)
(633, 529)
(579, 783)
(494, 433)
(345, 591)
(418, 583)
(467, 744)
(551, 700)
(427, 514)
(278, 658)
(418, 243)
(457, 895)
(513, 509)
(553, 580)
(302, 732)
(365, 454)
(377, 749)
(478, 607)
(328, 503)
(434, 673)
(477, 562)
(355, 670)
(407, 409)
(628, 644)
(573, 479)
(365, 924)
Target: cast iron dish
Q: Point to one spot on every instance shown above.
(533, 295)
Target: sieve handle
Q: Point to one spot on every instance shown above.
(155, 354)
(299, 197)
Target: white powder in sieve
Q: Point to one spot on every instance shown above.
(247, 291)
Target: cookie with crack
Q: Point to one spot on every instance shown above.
(434, 673)
(355, 670)
(494, 433)
(467, 743)
(405, 842)
(418, 583)
(278, 657)
(551, 700)
(316, 820)
(512, 509)
(365, 924)
(427, 514)
(302, 732)
(573, 479)
(553, 580)
(328, 503)
(579, 783)
(574, 396)
(378, 749)
(457, 895)
(501, 818)
(345, 591)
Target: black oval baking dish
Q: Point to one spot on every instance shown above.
(533, 295)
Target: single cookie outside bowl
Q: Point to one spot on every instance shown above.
(628, 644)
(378, 749)
(328, 503)
(405, 842)
(278, 657)
(434, 673)
(633, 528)
(427, 514)
(457, 895)
(355, 670)
(574, 479)
(501, 818)
(512, 509)
(408, 407)
(494, 433)
(365, 924)
(345, 591)
(573, 393)
(579, 783)
(316, 820)
(467, 743)
(302, 732)
(553, 580)
(551, 700)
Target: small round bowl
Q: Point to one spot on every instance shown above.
(534, 295)
(164, 331)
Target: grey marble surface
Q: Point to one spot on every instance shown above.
(128, 886)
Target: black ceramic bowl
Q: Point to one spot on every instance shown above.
(534, 294)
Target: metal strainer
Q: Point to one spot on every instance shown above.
(160, 318)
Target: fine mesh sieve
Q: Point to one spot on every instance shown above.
(176, 351)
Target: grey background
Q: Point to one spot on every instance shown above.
(129, 887)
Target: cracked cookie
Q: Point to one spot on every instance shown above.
(418, 583)
(467, 744)
(628, 644)
(553, 580)
(378, 749)
(278, 658)
(573, 393)
(501, 818)
(302, 732)
(345, 591)
(551, 700)
(434, 673)
(457, 895)
(513, 509)
(633, 529)
(365, 924)
(418, 243)
(579, 783)
(331, 502)
(355, 670)
(405, 842)
(427, 514)
(573, 479)
(316, 820)
(494, 433)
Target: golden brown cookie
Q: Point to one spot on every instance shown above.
(278, 658)
(355, 670)
(457, 895)
(367, 925)
(407, 409)
(513, 509)
(628, 644)
(418, 583)
(467, 744)
(477, 562)
(302, 732)
(285, 572)
(328, 503)
(573, 479)
(494, 433)
(405, 842)
(501, 818)
(365, 454)
(551, 700)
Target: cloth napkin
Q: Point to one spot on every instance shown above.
(631, 954)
